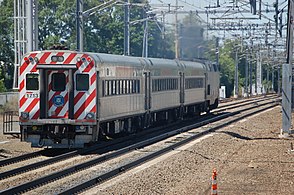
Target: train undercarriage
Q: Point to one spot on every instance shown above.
(151, 119)
(62, 135)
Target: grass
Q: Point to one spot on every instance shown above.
(12, 105)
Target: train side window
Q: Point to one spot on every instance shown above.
(129, 87)
(208, 89)
(82, 82)
(133, 86)
(125, 86)
(58, 81)
(113, 87)
(118, 91)
(109, 88)
(138, 86)
(32, 82)
(103, 88)
(122, 87)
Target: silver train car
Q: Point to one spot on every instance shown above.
(70, 99)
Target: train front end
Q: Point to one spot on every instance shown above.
(58, 99)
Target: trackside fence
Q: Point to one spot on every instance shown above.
(11, 122)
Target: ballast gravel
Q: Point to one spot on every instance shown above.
(249, 157)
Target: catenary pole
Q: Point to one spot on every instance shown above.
(287, 76)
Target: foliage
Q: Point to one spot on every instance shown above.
(56, 22)
(227, 56)
(6, 45)
(103, 31)
(192, 42)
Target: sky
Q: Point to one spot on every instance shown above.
(227, 5)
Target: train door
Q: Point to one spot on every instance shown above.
(206, 86)
(58, 94)
(147, 88)
(182, 88)
(182, 94)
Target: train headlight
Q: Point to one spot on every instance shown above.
(36, 59)
(24, 115)
(54, 58)
(90, 115)
(60, 58)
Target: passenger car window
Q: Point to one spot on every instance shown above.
(82, 82)
(58, 81)
(32, 82)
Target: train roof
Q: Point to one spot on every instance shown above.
(111, 59)
(120, 60)
(139, 61)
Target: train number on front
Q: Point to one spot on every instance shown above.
(32, 95)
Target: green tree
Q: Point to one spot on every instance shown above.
(226, 62)
(56, 21)
(103, 31)
(192, 42)
(6, 45)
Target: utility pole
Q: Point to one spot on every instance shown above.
(257, 71)
(29, 25)
(176, 32)
(127, 28)
(279, 80)
(246, 75)
(217, 51)
(79, 25)
(236, 95)
(250, 76)
(287, 76)
(145, 38)
(273, 76)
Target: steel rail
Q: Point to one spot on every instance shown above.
(231, 106)
(221, 105)
(19, 158)
(58, 158)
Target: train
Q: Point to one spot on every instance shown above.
(70, 99)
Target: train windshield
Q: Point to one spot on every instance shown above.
(82, 83)
(58, 81)
(32, 82)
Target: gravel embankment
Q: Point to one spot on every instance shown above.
(249, 156)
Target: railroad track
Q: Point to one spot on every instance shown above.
(222, 107)
(244, 100)
(98, 148)
(95, 161)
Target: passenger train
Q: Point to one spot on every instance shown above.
(69, 99)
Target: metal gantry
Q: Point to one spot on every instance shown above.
(25, 31)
